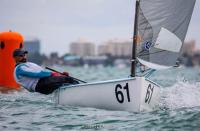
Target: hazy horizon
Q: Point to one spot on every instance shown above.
(57, 23)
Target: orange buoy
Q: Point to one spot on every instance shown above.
(9, 41)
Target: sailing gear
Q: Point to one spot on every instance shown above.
(28, 74)
(47, 85)
(35, 79)
(55, 74)
(65, 73)
(19, 52)
(59, 74)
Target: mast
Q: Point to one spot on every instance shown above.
(135, 40)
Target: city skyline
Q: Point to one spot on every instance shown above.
(59, 23)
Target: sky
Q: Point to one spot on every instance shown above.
(57, 23)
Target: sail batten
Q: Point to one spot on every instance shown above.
(162, 27)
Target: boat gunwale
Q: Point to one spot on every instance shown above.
(105, 82)
(95, 83)
(147, 79)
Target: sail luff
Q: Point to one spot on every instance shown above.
(163, 25)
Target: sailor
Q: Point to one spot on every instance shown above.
(36, 79)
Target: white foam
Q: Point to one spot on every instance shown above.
(182, 94)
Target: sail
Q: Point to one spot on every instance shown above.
(162, 26)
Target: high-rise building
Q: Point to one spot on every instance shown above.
(82, 48)
(32, 45)
(189, 47)
(116, 48)
(102, 50)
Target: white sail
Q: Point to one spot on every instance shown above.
(162, 27)
(153, 65)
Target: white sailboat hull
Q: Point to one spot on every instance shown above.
(131, 94)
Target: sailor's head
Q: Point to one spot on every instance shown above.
(20, 55)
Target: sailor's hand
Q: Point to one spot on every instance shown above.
(65, 73)
(55, 74)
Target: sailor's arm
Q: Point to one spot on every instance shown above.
(26, 71)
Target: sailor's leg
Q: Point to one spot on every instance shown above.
(48, 84)
(63, 79)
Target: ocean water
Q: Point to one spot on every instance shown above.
(179, 107)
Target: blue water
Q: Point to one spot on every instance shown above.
(179, 107)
